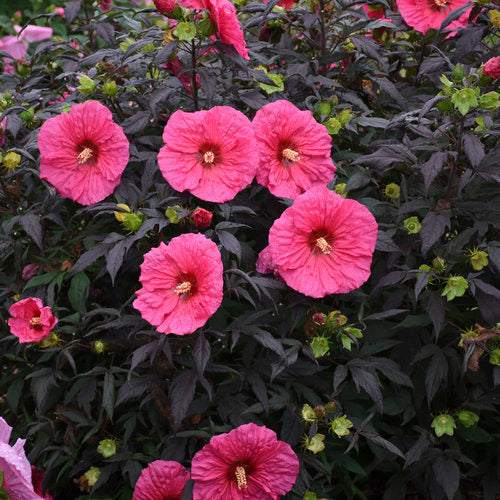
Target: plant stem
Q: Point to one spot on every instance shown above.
(194, 86)
(323, 34)
(453, 171)
(90, 29)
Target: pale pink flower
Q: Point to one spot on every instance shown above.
(492, 67)
(248, 463)
(161, 480)
(323, 243)
(83, 153)
(294, 150)
(31, 321)
(181, 284)
(426, 14)
(15, 467)
(212, 154)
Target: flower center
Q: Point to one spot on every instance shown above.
(324, 246)
(208, 157)
(36, 323)
(85, 155)
(291, 155)
(440, 3)
(184, 287)
(241, 477)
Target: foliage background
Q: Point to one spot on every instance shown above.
(165, 396)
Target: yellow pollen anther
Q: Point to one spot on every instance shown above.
(440, 3)
(184, 287)
(291, 155)
(241, 477)
(208, 157)
(35, 321)
(85, 155)
(323, 245)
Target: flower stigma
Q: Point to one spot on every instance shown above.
(35, 321)
(241, 477)
(85, 155)
(184, 287)
(324, 246)
(208, 157)
(291, 155)
(440, 3)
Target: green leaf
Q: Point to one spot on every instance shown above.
(79, 291)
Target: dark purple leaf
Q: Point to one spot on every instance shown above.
(454, 15)
(415, 452)
(447, 475)
(114, 259)
(89, 257)
(181, 394)
(33, 227)
(436, 310)
(431, 168)
(201, 353)
(380, 441)
(367, 381)
(259, 389)
(230, 242)
(108, 394)
(421, 283)
(474, 149)
(433, 227)
(435, 375)
(106, 32)
(71, 10)
(385, 243)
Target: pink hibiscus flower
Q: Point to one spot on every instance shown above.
(165, 6)
(161, 480)
(246, 463)
(294, 150)
(492, 67)
(266, 265)
(323, 243)
(286, 4)
(83, 153)
(212, 154)
(31, 321)
(181, 284)
(223, 14)
(426, 14)
(15, 467)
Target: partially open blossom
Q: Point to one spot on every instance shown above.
(294, 150)
(426, 14)
(246, 463)
(59, 11)
(181, 284)
(16, 469)
(160, 480)
(201, 218)
(83, 153)
(492, 67)
(323, 243)
(29, 271)
(105, 5)
(165, 6)
(212, 154)
(31, 321)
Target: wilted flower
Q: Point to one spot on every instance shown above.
(107, 447)
(83, 152)
(492, 67)
(308, 414)
(478, 259)
(201, 218)
(248, 462)
(341, 426)
(294, 150)
(11, 160)
(315, 444)
(181, 284)
(455, 287)
(467, 418)
(412, 225)
(392, 191)
(323, 243)
(212, 154)
(92, 475)
(160, 480)
(29, 271)
(443, 424)
(31, 321)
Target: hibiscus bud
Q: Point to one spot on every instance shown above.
(92, 475)
(201, 218)
(165, 6)
(11, 160)
(341, 426)
(455, 287)
(319, 318)
(412, 225)
(100, 346)
(87, 85)
(443, 424)
(315, 444)
(308, 414)
(133, 221)
(392, 191)
(478, 259)
(320, 410)
(110, 88)
(319, 346)
(28, 114)
(122, 216)
(438, 265)
(492, 67)
(467, 418)
(107, 448)
(333, 126)
(29, 271)
(495, 357)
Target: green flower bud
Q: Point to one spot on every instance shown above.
(495, 357)
(464, 99)
(467, 418)
(340, 189)
(87, 85)
(341, 426)
(110, 88)
(133, 221)
(121, 216)
(100, 346)
(490, 101)
(315, 444)
(443, 424)
(412, 225)
(308, 414)
(107, 448)
(478, 259)
(319, 346)
(172, 214)
(185, 31)
(438, 265)
(344, 116)
(92, 475)
(333, 126)
(392, 191)
(11, 160)
(455, 287)
(324, 108)
(27, 115)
